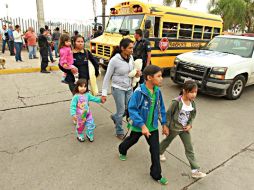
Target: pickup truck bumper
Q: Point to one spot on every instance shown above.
(206, 85)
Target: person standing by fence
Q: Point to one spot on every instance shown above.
(11, 40)
(5, 38)
(31, 38)
(43, 44)
(55, 38)
(18, 42)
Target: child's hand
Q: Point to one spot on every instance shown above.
(65, 65)
(103, 99)
(145, 131)
(187, 128)
(165, 130)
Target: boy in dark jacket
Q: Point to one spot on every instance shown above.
(145, 108)
(43, 45)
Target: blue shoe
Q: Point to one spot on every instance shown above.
(90, 137)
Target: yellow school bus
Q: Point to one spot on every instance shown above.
(171, 31)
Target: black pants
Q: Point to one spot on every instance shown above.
(11, 46)
(44, 58)
(153, 141)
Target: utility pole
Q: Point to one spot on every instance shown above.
(104, 3)
(40, 13)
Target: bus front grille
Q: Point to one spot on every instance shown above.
(104, 50)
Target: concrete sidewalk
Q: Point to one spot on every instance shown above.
(27, 66)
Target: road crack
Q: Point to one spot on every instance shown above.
(33, 145)
(247, 148)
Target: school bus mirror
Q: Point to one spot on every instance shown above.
(124, 32)
(148, 24)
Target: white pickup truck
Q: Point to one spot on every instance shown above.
(223, 67)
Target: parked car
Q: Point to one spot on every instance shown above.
(223, 67)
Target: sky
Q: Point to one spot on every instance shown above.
(81, 12)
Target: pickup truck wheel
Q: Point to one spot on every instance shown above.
(236, 88)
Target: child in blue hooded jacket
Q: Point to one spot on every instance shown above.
(145, 108)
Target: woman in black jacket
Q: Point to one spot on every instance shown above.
(81, 57)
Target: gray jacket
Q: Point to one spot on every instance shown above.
(118, 69)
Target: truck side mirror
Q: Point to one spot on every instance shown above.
(148, 24)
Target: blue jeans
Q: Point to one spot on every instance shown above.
(50, 54)
(121, 98)
(18, 47)
(3, 45)
(32, 52)
(56, 42)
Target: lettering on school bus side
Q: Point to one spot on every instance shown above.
(177, 44)
(195, 44)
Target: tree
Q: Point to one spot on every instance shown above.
(177, 2)
(233, 13)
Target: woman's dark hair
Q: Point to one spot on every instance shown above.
(16, 27)
(124, 43)
(63, 39)
(80, 82)
(75, 39)
(151, 70)
(188, 86)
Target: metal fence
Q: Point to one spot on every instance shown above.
(84, 30)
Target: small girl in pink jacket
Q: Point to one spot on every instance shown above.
(66, 56)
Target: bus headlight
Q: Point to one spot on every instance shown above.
(93, 48)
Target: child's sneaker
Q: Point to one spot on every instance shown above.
(122, 157)
(163, 157)
(80, 137)
(198, 174)
(163, 181)
(90, 138)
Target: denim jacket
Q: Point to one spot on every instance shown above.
(139, 106)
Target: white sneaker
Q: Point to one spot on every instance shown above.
(163, 157)
(197, 174)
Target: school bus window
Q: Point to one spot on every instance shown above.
(197, 32)
(114, 24)
(131, 23)
(169, 30)
(185, 31)
(151, 29)
(216, 32)
(207, 32)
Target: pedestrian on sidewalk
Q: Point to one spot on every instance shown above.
(55, 38)
(81, 112)
(180, 116)
(81, 57)
(5, 37)
(31, 38)
(43, 45)
(49, 38)
(66, 56)
(18, 42)
(145, 108)
(118, 69)
(11, 40)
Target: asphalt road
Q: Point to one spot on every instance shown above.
(38, 149)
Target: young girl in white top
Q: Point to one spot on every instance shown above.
(180, 116)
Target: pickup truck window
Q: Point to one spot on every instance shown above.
(241, 47)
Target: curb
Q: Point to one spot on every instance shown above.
(26, 70)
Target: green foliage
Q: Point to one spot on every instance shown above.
(233, 13)
(177, 2)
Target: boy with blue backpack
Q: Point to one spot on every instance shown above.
(145, 108)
